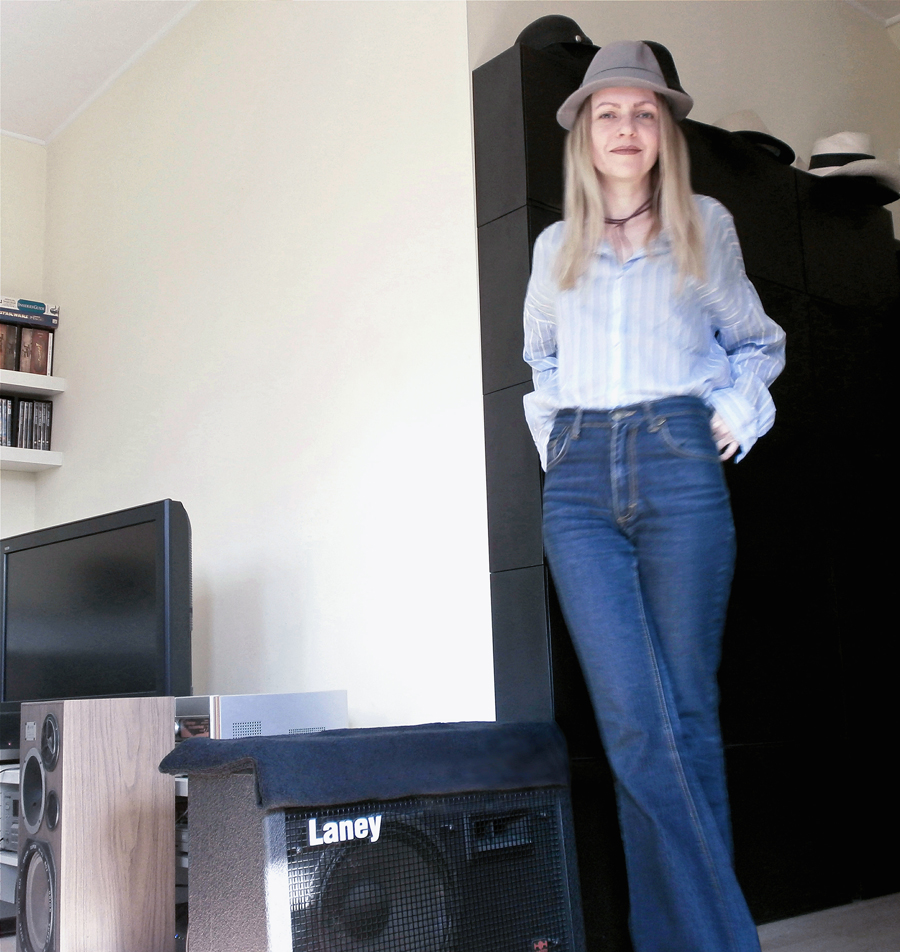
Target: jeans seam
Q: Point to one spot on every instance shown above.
(564, 438)
(613, 479)
(676, 758)
(631, 449)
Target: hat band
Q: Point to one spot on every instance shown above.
(827, 160)
(626, 72)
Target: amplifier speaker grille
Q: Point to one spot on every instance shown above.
(480, 873)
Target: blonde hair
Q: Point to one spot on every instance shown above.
(672, 201)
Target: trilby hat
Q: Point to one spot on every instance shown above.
(746, 123)
(627, 63)
(850, 154)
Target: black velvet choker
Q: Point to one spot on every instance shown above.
(618, 222)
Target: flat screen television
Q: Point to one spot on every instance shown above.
(96, 608)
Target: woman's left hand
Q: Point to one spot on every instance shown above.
(726, 444)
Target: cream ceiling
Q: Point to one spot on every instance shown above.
(56, 56)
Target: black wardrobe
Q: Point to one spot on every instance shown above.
(809, 684)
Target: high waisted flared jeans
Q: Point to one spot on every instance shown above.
(639, 534)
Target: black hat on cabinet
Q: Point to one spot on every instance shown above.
(555, 30)
(747, 124)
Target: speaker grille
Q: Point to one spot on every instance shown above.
(480, 873)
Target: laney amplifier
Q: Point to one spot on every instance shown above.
(344, 841)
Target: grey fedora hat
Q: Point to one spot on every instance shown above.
(631, 63)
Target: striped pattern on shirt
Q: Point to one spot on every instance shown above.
(624, 334)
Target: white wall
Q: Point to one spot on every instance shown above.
(23, 172)
(809, 68)
(17, 503)
(23, 167)
(263, 239)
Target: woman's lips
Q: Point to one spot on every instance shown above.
(627, 150)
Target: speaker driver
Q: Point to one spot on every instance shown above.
(50, 742)
(36, 899)
(395, 895)
(52, 810)
(33, 791)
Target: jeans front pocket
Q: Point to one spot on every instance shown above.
(558, 444)
(688, 435)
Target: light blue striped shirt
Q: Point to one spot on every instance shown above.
(624, 335)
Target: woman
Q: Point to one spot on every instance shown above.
(651, 357)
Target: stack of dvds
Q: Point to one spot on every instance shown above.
(26, 335)
(25, 423)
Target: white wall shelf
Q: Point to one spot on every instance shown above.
(14, 382)
(32, 385)
(29, 461)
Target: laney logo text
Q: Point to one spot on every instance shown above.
(337, 831)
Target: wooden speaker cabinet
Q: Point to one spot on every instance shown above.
(96, 844)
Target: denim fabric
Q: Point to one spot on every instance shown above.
(640, 539)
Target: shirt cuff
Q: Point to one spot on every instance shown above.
(540, 414)
(739, 415)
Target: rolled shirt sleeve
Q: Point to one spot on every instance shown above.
(753, 342)
(541, 346)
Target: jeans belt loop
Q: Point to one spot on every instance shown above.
(576, 426)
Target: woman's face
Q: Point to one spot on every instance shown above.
(624, 133)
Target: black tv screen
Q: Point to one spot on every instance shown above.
(97, 608)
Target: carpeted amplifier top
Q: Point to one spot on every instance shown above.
(382, 763)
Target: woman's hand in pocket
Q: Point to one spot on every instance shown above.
(726, 444)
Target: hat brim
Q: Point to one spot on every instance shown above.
(883, 172)
(852, 190)
(679, 103)
(781, 150)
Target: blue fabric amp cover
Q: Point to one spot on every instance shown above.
(382, 763)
